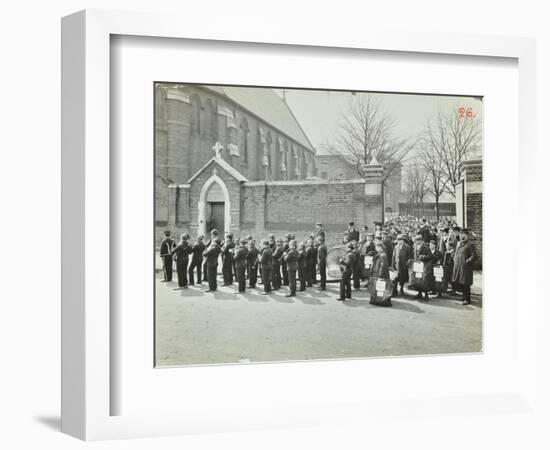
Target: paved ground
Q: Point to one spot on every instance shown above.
(196, 327)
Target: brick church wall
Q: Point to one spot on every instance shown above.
(295, 207)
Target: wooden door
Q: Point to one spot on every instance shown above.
(217, 217)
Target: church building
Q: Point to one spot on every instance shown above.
(236, 159)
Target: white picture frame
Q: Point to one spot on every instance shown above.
(86, 219)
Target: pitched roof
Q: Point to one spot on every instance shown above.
(267, 105)
(224, 165)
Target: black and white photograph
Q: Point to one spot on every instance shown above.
(305, 224)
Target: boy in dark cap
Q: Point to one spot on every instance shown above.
(196, 260)
(211, 254)
(302, 265)
(322, 261)
(277, 261)
(214, 237)
(181, 253)
(241, 260)
(291, 261)
(313, 269)
(166, 247)
(346, 265)
(286, 245)
(266, 265)
(253, 254)
(227, 260)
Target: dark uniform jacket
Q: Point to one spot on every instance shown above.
(277, 257)
(211, 254)
(253, 256)
(465, 255)
(347, 263)
(291, 259)
(182, 252)
(241, 258)
(226, 254)
(266, 258)
(166, 246)
(198, 250)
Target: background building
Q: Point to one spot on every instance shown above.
(236, 159)
(260, 136)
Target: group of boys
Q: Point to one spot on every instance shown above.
(368, 255)
(393, 246)
(279, 262)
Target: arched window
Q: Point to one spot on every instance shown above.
(210, 120)
(268, 143)
(195, 114)
(244, 140)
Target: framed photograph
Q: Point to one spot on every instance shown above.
(237, 235)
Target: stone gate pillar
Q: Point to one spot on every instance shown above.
(472, 178)
(373, 191)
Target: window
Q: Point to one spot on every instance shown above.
(210, 120)
(195, 114)
(244, 140)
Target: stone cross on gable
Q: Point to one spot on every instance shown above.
(218, 148)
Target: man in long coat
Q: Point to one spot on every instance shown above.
(401, 256)
(421, 252)
(463, 273)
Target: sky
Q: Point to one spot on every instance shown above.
(320, 112)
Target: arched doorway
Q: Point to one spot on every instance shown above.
(214, 206)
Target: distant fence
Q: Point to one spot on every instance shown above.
(428, 210)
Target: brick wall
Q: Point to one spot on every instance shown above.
(472, 172)
(295, 207)
(333, 167)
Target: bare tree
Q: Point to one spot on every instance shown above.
(435, 168)
(368, 132)
(451, 138)
(416, 184)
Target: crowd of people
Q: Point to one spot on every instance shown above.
(429, 257)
